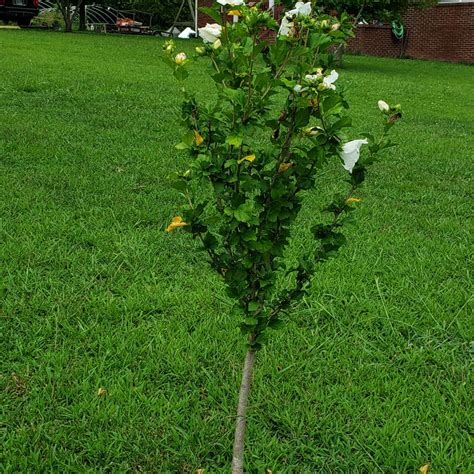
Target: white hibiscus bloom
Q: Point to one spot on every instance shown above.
(231, 3)
(210, 33)
(314, 77)
(302, 8)
(350, 153)
(287, 25)
(383, 106)
(299, 89)
(330, 80)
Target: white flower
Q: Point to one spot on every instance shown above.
(180, 58)
(232, 3)
(383, 106)
(302, 8)
(210, 33)
(314, 77)
(329, 80)
(287, 25)
(335, 27)
(350, 153)
(299, 89)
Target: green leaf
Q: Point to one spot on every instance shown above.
(345, 121)
(236, 96)
(212, 12)
(253, 306)
(332, 105)
(247, 328)
(276, 323)
(247, 46)
(180, 73)
(319, 40)
(234, 140)
(251, 321)
(245, 213)
(302, 117)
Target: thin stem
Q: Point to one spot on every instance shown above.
(240, 425)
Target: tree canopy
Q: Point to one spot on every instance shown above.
(383, 10)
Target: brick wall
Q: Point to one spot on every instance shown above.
(444, 32)
(203, 19)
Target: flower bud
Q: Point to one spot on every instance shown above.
(335, 27)
(324, 23)
(312, 131)
(383, 106)
(217, 44)
(180, 58)
(200, 50)
(169, 46)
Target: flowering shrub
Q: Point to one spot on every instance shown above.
(279, 118)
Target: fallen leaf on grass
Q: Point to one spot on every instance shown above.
(19, 384)
(102, 392)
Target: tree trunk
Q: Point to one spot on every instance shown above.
(240, 425)
(82, 16)
(67, 24)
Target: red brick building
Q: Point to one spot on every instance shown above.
(444, 32)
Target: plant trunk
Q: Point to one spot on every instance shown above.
(240, 425)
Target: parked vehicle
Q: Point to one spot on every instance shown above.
(20, 11)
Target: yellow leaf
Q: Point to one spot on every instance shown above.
(424, 469)
(102, 392)
(246, 158)
(284, 167)
(176, 222)
(353, 200)
(197, 138)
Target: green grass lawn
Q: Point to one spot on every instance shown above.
(370, 375)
